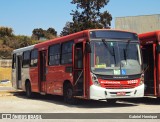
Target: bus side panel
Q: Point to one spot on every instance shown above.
(53, 77)
(14, 84)
(34, 79)
(25, 77)
(56, 76)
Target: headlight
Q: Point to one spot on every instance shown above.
(95, 80)
(142, 79)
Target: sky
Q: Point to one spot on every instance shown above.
(25, 15)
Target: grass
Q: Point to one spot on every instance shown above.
(5, 73)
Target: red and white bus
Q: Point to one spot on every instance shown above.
(99, 64)
(150, 43)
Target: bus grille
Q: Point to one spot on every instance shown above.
(120, 86)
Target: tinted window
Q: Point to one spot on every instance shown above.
(26, 59)
(14, 61)
(34, 58)
(54, 55)
(67, 52)
(113, 35)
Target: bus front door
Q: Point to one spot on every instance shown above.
(78, 69)
(149, 69)
(42, 72)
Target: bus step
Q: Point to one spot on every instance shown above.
(79, 92)
(42, 93)
(80, 97)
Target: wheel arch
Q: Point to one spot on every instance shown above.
(27, 81)
(65, 84)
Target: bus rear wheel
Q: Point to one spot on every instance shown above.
(29, 93)
(69, 95)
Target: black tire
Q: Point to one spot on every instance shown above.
(158, 98)
(69, 95)
(111, 101)
(29, 93)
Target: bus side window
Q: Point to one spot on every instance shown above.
(14, 61)
(66, 56)
(34, 58)
(54, 55)
(26, 59)
(79, 58)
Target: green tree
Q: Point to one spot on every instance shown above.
(52, 31)
(6, 31)
(88, 16)
(39, 33)
(68, 29)
(9, 42)
(24, 41)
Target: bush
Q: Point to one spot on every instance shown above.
(6, 53)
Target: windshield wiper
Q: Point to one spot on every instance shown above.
(126, 50)
(105, 43)
(125, 54)
(112, 53)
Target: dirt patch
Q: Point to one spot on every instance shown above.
(6, 84)
(11, 93)
(5, 73)
(6, 94)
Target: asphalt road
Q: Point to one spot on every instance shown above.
(18, 103)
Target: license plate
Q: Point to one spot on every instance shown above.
(121, 93)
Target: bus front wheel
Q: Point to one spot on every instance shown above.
(69, 95)
(29, 93)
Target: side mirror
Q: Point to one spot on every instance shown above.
(158, 48)
(88, 47)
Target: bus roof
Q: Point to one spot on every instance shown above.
(81, 34)
(149, 37)
(23, 49)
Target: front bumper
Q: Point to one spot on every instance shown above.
(99, 93)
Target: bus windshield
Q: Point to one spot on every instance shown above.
(115, 57)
